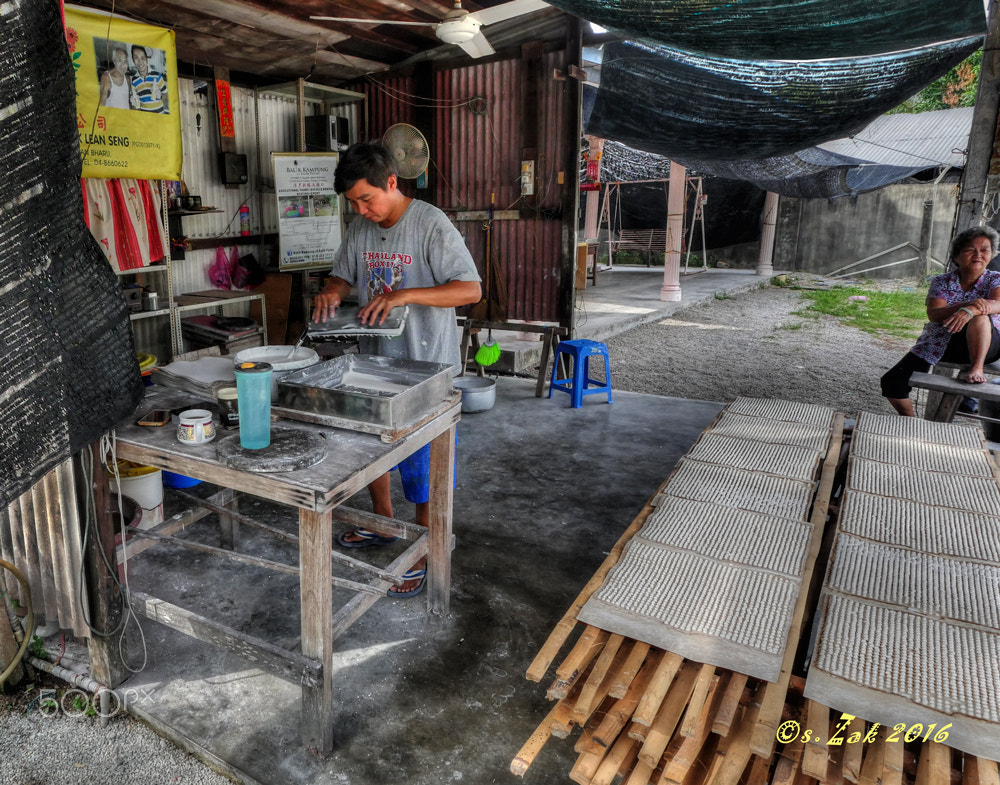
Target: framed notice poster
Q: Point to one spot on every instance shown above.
(309, 219)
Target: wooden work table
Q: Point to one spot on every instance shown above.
(353, 460)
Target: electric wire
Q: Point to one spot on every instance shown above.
(19, 576)
(108, 449)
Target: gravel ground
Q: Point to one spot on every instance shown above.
(753, 345)
(748, 345)
(36, 749)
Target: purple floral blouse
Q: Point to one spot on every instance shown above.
(935, 337)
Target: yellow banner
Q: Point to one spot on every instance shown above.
(126, 96)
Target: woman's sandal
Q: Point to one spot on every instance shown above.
(367, 538)
(409, 575)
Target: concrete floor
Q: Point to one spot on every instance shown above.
(543, 492)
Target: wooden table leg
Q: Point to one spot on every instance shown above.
(229, 527)
(316, 565)
(945, 409)
(549, 341)
(442, 478)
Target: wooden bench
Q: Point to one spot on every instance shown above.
(551, 334)
(647, 240)
(945, 393)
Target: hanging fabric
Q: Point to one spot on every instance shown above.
(124, 217)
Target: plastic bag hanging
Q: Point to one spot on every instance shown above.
(238, 271)
(220, 273)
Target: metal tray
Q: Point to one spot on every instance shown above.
(382, 391)
(345, 323)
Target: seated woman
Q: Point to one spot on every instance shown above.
(963, 306)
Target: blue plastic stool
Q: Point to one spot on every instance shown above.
(580, 383)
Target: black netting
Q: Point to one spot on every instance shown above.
(732, 212)
(677, 104)
(782, 30)
(70, 371)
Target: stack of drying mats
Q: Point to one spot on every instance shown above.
(746, 630)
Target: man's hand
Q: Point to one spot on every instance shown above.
(325, 305)
(377, 309)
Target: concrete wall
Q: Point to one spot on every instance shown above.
(821, 236)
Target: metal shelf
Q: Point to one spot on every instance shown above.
(148, 314)
(315, 92)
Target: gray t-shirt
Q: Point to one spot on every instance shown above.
(421, 249)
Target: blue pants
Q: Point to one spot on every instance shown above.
(415, 472)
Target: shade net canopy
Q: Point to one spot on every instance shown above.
(785, 29)
(69, 365)
(675, 103)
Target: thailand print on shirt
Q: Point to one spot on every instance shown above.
(385, 271)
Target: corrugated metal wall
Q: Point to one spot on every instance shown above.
(270, 127)
(40, 535)
(478, 135)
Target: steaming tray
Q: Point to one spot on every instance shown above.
(367, 393)
(346, 324)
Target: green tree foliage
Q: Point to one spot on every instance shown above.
(956, 88)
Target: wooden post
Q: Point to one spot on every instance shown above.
(671, 289)
(316, 600)
(442, 478)
(104, 598)
(926, 224)
(765, 260)
(983, 144)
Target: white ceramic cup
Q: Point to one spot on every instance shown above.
(196, 427)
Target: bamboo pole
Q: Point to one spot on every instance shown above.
(816, 759)
(678, 761)
(649, 705)
(594, 698)
(935, 764)
(730, 704)
(853, 752)
(705, 679)
(663, 726)
(734, 752)
(874, 762)
(636, 659)
(527, 754)
(622, 711)
(587, 647)
(617, 762)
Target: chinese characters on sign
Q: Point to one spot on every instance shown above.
(226, 127)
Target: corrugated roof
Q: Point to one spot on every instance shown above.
(910, 141)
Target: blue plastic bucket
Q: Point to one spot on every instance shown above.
(171, 480)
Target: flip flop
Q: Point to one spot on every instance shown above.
(409, 575)
(367, 538)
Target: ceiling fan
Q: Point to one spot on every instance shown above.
(459, 26)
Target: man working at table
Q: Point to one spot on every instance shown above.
(404, 252)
